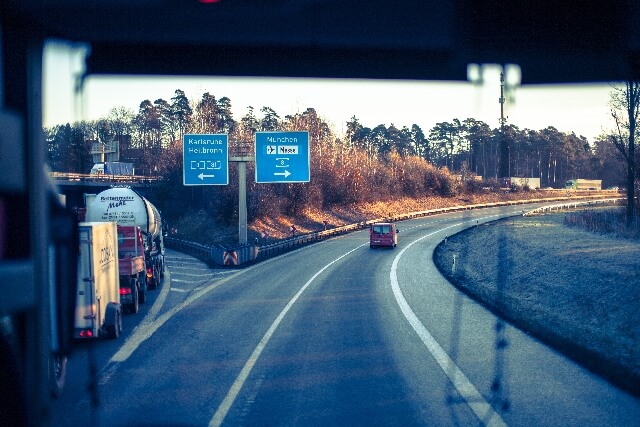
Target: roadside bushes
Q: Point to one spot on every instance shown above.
(196, 226)
(441, 182)
(340, 176)
(474, 186)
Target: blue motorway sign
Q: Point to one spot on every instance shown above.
(205, 159)
(282, 157)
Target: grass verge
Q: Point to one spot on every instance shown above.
(575, 290)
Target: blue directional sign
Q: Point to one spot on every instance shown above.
(282, 157)
(205, 159)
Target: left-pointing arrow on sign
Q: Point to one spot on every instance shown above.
(202, 176)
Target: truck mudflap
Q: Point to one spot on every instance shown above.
(113, 320)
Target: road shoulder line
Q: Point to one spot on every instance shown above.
(475, 400)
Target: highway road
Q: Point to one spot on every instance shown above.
(334, 333)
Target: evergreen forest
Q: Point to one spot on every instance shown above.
(364, 164)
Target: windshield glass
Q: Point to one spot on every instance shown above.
(382, 229)
(515, 278)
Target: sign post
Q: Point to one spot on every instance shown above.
(205, 159)
(282, 157)
(241, 158)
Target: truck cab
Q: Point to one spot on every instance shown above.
(383, 234)
(97, 169)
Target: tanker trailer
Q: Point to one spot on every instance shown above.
(127, 207)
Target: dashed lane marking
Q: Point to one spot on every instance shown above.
(226, 404)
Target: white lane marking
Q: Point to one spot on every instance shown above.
(192, 273)
(149, 326)
(226, 404)
(132, 343)
(146, 329)
(159, 302)
(466, 389)
(196, 278)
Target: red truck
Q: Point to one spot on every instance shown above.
(131, 262)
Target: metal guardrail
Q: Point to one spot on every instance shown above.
(573, 205)
(87, 177)
(219, 254)
(194, 249)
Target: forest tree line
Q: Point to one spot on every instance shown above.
(364, 164)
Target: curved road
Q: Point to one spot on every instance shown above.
(332, 334)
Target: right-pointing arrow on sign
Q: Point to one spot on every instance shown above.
(286, 173)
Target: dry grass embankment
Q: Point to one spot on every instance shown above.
(202, 228)
(313, 220)
(576, 290)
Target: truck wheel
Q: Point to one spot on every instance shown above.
(58, 374)
(116, 329)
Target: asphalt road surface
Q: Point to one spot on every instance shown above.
(335, 333)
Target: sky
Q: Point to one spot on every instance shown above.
(583, 109)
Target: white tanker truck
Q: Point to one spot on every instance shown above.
(126, 207)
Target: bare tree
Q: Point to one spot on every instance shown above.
(625, 108)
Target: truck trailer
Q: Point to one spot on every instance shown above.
(98, 308)
(113, 168)
(584, 184)
(125, 206)
(513, 182)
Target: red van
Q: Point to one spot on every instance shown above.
(383, 234)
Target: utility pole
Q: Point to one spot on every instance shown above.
(503, 161)
(501, 100)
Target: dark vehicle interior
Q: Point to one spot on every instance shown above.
(552, 42)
